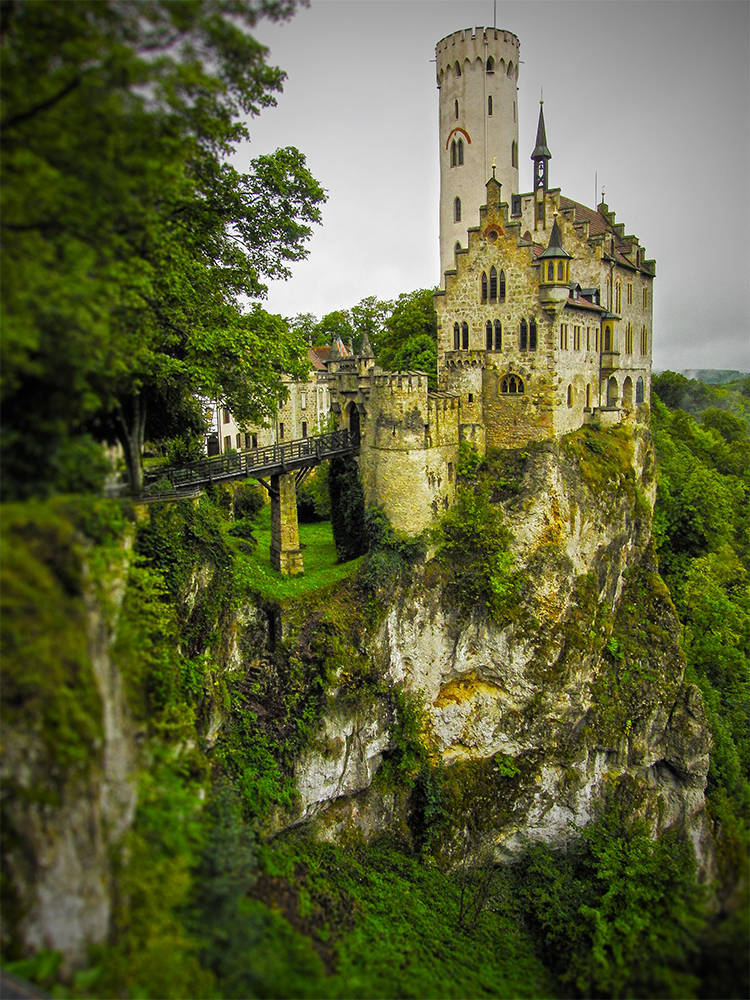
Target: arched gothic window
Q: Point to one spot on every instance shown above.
(550, 270)
(456, 337)
(498, 335)
(457, 210)
(607, 338)
(532, 334)
(456, 109)
(561, 270)
(488, 334)
(458, 68)
(465, 336)
(639, 391)
(570, 395)
(618, 296)
(524, 337)
(588, 396)
(460, 152)
(457, 247)
(454, 158)
(502, 286)
(511, 385)
(490, 65)
(489, 105)
(493, 284)
(484, 286)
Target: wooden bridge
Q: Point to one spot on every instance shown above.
(280, 468)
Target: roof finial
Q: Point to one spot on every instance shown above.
(494, 167)
(541, 95)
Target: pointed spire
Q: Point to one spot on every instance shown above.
(555, 247)
(365, 350)
(541, 150)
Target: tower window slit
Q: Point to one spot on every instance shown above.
(493, 284)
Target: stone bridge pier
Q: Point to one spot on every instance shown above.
(286, 555)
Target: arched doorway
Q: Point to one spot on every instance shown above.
(352, 420)
(612, 391)
(627, 392)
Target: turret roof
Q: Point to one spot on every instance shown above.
(541, 150)
(555, 248)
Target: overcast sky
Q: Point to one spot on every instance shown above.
(654, 97)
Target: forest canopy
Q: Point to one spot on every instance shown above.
(131, 245)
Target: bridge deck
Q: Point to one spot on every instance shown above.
(271, 460)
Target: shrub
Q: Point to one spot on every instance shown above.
(184, 450)
(249, 500)
(347, 508)
(313, 496)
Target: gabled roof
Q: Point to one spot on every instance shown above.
(316, 359)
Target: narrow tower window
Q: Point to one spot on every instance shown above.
(560, 270)
(456, 337)
(493, 284)
(453, 153)
(524, 335)
(550, 270)
(489, 105)
(484, 286)
(488, 334)
(502, 286)
(456, 109)
(514, 154)
(460, 152)
(532, 334)
(465, 336)
(457, 210)
(490, 65)
(498, 335)
(458, 68)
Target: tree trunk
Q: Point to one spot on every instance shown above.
(131, 423)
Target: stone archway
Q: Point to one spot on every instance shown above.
(612, 391)
(352, 421)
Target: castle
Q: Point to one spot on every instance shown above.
(544, 312)
(544, 315)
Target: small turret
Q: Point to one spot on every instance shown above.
(554, 267)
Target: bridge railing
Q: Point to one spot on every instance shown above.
(270, 459)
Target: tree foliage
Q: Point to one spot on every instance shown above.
(131, 242)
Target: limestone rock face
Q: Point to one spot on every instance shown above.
(582, 689)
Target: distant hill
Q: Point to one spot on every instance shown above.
(714, 376)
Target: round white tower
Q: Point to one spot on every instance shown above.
(477, 72)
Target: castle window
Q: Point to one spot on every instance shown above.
(588, 396)
(524, 337)
(498, 335)
(490, 65)
(645, 298)
(489, 105)
(457, 247)
(226, 415)
(532, 334)
(465, 336)
(304, 428)
(484, 286)
(460, 152)
(493, 284)
(456, 109)
(639, 391)
(227, 443)
(453, 153)
(514, 154)
(607, 338)
(596, 340)
(618, 296)
(563, 336)
(644, 341)
(608, 290)
(488, 334)
(550, 270)
(570, 395)
(629, 339)
(239, 441)
(630, 293)
(281, 432)
(511, 385)
(458, 68)
(457, 210)
(456, 337)
(470, 397)
(561, 270)
(576, 338)
(254, 439)
(502, 286)
(588, 338)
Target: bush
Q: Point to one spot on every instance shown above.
(313, 496)
(388, 553)
(249, 500)
(184, 450)
(347, 508)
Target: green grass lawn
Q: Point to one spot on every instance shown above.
(318, 554)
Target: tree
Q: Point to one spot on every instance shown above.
(131, 243)
(409, 340)
(334, 324)
(369, 317)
